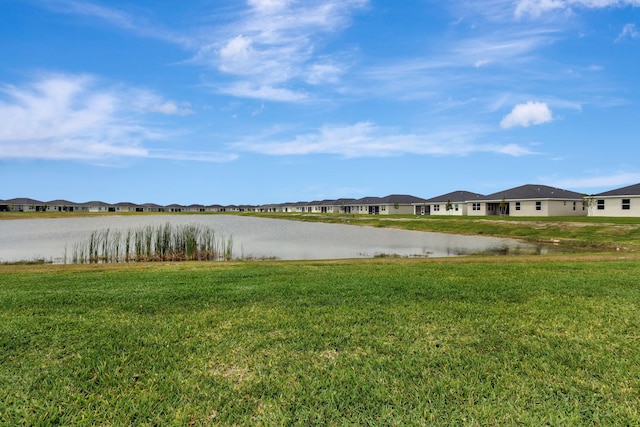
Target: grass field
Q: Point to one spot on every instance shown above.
(479, 341)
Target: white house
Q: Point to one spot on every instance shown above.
(529, 200)
(623, 201)
(454, 203)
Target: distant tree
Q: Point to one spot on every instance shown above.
(588, 202)
(449, 206)
(503, 207)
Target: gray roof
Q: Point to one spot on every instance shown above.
(456, 197)
(96, 203)
(403, 199)
(24, 201)
(631, 190)
(60, 202)
(533, 191)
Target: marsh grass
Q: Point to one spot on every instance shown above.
(165, 242)
(537, 341)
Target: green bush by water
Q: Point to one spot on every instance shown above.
(153, 243)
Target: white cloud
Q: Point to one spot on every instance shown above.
(629, 30)
(245, 89)
(536, 8)
(365, 139)
(171, 108)
(609, 181)
(269, 5)
(118, 18)
(237, 56)
(77, 117)
(275, 44)
(531, 113)
(323, 73)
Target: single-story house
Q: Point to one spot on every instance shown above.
(97, 206)
(623, 201)
(393, 204)
(24, 205)
(529, 200)
(61, 206)
(152, 207)
(128, 207)
(215, 208)
(454, 203)
(175, 208)
(195, 208)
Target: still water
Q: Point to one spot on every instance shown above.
(52, 238)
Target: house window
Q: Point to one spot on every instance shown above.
(456, 207)
(626, 204)
(538, 206)
(476, 207)
(436, 208)
(574, 206)
(600, 204)
(517, 206)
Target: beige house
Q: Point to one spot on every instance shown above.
(393, 204)
(623, 201)
(529, 200)
(454, 203)
(23, 205)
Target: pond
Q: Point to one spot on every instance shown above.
(52, 239)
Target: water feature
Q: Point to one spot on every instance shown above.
(53, 239)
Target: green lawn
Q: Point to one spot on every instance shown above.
(480, 341)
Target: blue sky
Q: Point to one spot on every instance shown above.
(262, 101)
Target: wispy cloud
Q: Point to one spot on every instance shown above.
(120, 19)
(483, 60)
(365, 139)
(537, 8)
(524, 115)
(78, 117)
(629, 31)
(609, 181)
(274, 45)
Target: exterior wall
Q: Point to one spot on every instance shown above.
(613, 207)
(567, 208)
(401, 210)
(547, 208)
(383, 209)
(480, 211)
(527, 208)
(457, 209)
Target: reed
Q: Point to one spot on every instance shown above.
(164, 242)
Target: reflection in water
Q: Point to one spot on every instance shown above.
(54, 238)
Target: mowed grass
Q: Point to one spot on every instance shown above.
(479, 341)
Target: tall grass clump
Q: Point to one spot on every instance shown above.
(164, 242)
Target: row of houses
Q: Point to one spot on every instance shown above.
(526, 200)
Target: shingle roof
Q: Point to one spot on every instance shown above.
(390, 199)
(61, 202)
(404, 199)
(24, 201)
(631, 190)
(533, 191)
(456, 196)
(96, 203)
